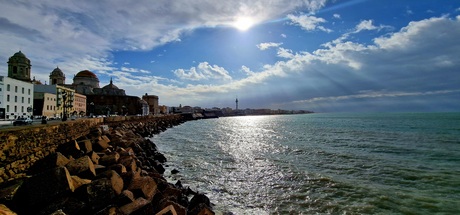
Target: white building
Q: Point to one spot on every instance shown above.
(16, 98)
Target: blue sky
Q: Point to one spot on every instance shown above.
(325, 56)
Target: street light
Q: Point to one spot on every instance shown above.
(91, 109)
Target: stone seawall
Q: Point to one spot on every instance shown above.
(93, 166)
(20, 147)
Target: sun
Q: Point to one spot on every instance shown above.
(243, 23)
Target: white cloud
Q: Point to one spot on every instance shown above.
(246, 70)
(77, 36)
(265, 46)
(308, 22)
(285, 53)
(283, 35)
(204, 71)
(336, 15)
(369, 26)
(377, 94)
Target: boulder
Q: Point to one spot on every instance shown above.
(41, 189)
(138, 206)
(197, 200)
(115, 180)
(6, 211)
(94, 157)
(98, 194)
(179, 209)
(169, 210)
(110, 159)
(110, 210)
(78, 182)
(85, 145)
(144, 187)
(49, 162)
(82, 167)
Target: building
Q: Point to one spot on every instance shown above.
(152, 101)
(107, 100)
(44, 104)
(79, 105)
(16, 98)
(64, 100)
(16, 90)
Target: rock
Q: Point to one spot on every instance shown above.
(110, 159)
(85, 145)
(158, 167)
(98, 194)
(169, 210)
(111, 210)
(140, 204)
(174, 171)
(115, 180)
(43, 188)
(180, 210)
(100, 144)
(125, 197)
(143, 187)
(66, 205)
(51, 161)
(78, 182)
(129, 162)
(119, 168)
(6, 211)
(94, 157)
(82, 167)
(70, 149)
(197, 200)
(201, 209)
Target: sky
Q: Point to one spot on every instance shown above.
(318, 55)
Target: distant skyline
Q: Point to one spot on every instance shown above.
(318, 55)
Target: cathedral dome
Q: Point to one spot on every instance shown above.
(86, 74)
(110, 86)
(57, 72)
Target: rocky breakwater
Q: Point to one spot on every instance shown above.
(111, 170)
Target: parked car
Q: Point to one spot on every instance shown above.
(22, 121)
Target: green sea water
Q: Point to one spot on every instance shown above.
(374, 163)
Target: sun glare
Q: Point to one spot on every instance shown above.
(243, 23)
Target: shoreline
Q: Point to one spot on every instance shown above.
(114, 169)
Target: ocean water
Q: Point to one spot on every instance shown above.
(385, 163)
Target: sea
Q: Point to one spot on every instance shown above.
(321, 163)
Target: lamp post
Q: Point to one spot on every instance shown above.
(91, 109)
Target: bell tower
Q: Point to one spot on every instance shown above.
(57, 76)
(19, 67)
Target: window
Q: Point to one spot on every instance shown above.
(7, 108)
(23, 90)
(15, 108)
(7, 87)
(28, 100)
(22, 109)
(29, 91)
(7, 98)
(15, 98)
(15, 89)
(22, 100)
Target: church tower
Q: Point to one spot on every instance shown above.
(19, 67)
(57, 76)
